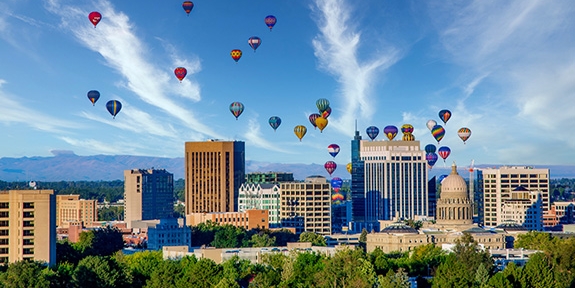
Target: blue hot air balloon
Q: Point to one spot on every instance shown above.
(431, 159)
(114, 107)
(275, 122)
(430, 148)
(372, 132)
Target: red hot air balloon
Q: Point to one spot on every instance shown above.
(330, 166)
(236, 54)
(95, 17)
(270, 21)
(188, 6)
(444, 152)
(444, 115)
(180, 73)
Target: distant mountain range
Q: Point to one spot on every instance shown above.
(66, 166)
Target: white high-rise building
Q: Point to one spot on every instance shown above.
(262, 197)
(395, 180)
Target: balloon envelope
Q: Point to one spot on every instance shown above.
(431, 159)
(270, 21)
(390, 131)
(407, 129)
(464, 133)
(180, 73)
(237, 108)
(93, 95)
(299, 131)
(438, 132)
(188, 6)
(275, 122)
(372, 132)
(254, 42)
(326, 113)
(444, 152)
(322, 104)
(236, 54)
(430, 148)
(330, 166)
(444, 115)
(114, 106)
(336, 182)
(430, 124)
(95, 17)
(349, 167)
(333, 149)
(312, 118)
(321, 123)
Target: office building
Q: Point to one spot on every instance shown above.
(261, 197)
(524, 208)
(165, 232)
(250, 219)
(497, 184)
(215, 170)
(28, 226)
(72, 209)
(306, 206)
(357, 182)
(148, 195)
(269, 177)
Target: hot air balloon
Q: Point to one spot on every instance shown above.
(322, 104)
(349, 167)
(407, 129)
(390, 131)
(299, 131)
(326, 113)
(408, 137)
(444, 152)
(438, 132)
(95, 17)
(441, 178)
(464, 133)
(444, 115)
(337, 197)
(321, 123)
(336, 183)
(333, 149)
(431, 159)
(180, 73)
(430, 124)
(330, 166)
(93, 95)
(270, 21)
(275, 122)
(312, 118)
(188, 6)
(114, 107)
(430, 148)
(372, 132)
(254, 42)
(236, 54)
(237, 108)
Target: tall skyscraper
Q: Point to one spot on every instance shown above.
(357, 181)
(214, 172)
(28, 226)
(148, 195)
(499, 182)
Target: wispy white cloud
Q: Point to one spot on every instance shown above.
(336, 48)
(255, 138)
(123, 51)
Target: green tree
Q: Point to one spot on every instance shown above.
(347, 268)
(142, 265)
(204, 273)
(24, 274)
(314, 238)
(283, 236)
(204, 233)
(481, 276)
(426, 259)
(67, 252)
(303, 269)
(394, 280)
(537, 272)
(535, 240)
(100, 271)
(499, 281)
(452, 273)
(103, 242)
(111, 213)
(230, 236)
(363, 239)
(262, 240)
(165, 275)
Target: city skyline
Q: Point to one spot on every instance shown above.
(378, 63)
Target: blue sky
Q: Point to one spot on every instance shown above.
(505, 69)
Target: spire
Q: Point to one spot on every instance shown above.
(454, 169)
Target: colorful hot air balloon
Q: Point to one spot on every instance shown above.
(321, 123)
(444, 152)
(444, 115)
(336, 183)
(430, 124)
(236, 54)
(407, 128)
(312, 118)
(114, 107)
(270, 21)
(408, 137)
(254, 42)
(390, 131)
(275, 122)
(337, 197)
(93, 95)
(326, 113)
(333, 149)
(430, 148)
(464, 133)
(180, 73)
(299, 131)
(322, 104)
(95, 17)
(438, 132)
(349, 167)
(237, 108)
(330, 166)
(188, 6)
(372, 132)
(431, 159)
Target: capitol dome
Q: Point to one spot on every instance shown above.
(453, 186)
(454, 208)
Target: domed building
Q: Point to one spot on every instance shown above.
(454, 208)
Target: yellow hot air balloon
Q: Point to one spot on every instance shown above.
(320, 122)
(299, 131)
(408, 137)
(349, 166)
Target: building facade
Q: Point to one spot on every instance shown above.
(306, 206)
(28, 226)
(148, 195)
(269, 177)
(261, 197)
(165, 232)
(497, 184)
(524, 208)
(357, 183)
(214, 173)
(250, 219)
(72, 209)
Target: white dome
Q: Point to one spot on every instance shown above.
(453, 186)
